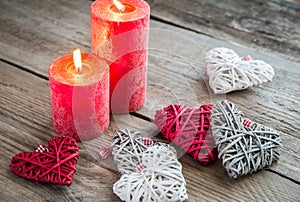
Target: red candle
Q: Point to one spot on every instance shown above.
(120, 32)
(79, 95)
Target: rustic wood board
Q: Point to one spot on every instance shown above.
(26, 122)
(274, 104)
(33, 33)
(42, 32)
(271, 25)
(51, 23)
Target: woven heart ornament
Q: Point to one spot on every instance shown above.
(127, 148)
(54, 164)
(161, 178)
(244, 146)
(188, 129)
(228, 72)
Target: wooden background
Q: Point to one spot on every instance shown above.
(35, 32)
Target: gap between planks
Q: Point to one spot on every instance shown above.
(206, 181)
(137, 115)
(42, 56)
(25, 69)
(146, 118)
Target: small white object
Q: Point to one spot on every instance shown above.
(161, 178)
(228, 72)
(42, 148)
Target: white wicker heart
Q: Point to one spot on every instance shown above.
(244, 146)
(228, 72)
(160, 180)
(127, 148)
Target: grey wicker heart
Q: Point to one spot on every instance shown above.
(160, 180)
(244, 146)
(127, 148)
(228, 72)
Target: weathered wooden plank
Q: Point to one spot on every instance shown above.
(241, 190)
(51, 23)
(274, 104)
(41, 26)
(92, 180)
(175, 66)
(25, 123)
(281, 95)
(25, 116)
(263, 104)
(271, 25)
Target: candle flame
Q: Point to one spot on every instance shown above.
(77, 60)
(119, 5)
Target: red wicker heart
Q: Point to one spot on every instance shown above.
(56, 164)
(188, 128)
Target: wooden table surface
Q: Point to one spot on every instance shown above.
(35, 32)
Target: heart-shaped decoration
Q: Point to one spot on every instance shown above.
(127, 148)
(228, 72)
(54, 164)
(161, 178)
(243, 145)
(188, 129)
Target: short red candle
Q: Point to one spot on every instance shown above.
(80, 100)
(121, 37)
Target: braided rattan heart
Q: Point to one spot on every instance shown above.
(54, 164)
(127, 148)
(160, 180)
(228, 72)
(243, 145)
(188, 129)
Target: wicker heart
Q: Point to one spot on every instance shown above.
(127, 148)
(228, 72)
(160, 180)
(188, 128)
(243, 145)
(54, 164)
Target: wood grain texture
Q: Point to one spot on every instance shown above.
(274, 108)
(33, 33)
(271, 25)
(245, 189)
(51, 23)
(25, 119)
(94, 179)
(175, 67)
(274, 104)
(26, 123)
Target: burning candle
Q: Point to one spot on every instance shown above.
(79, 87)
(120, 32)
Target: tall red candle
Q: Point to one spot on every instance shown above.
(80, 100)
(120, 35)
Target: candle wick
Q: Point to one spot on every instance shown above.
(122, 9)
(79, 69)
